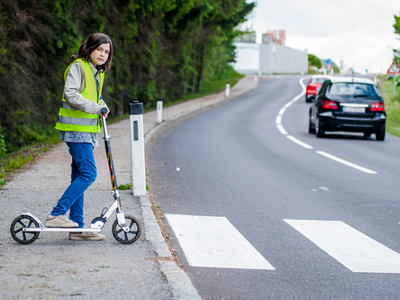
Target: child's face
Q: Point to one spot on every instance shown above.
(100, 55)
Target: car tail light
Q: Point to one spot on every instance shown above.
(311, 88)
(328, 104)
(377, 106)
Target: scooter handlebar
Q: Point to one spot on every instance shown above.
(104, 110)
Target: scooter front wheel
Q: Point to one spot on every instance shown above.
(17, 227)
(127, 237)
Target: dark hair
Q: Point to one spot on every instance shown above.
(91, 44)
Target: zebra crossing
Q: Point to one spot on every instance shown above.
(209, 241)
(214, 242)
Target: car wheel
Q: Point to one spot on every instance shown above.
(318, 130)
(307, 101)
(367, 134)
(380, 135)
(311, 128)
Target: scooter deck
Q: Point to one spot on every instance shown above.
(60, 229)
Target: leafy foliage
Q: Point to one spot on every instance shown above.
(162, 48)
(392, 105)
(396, 26)
(314, 61)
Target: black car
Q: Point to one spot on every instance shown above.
(348, 104)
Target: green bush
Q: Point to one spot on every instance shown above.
(392, 107)
(314, 61)
(3, 148)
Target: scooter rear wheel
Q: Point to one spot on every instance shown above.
(19, 224)
(127, 237)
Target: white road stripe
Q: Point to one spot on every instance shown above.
(281, 129)
(293, 139)
(301, 94)
(283, 109)
(214, 242)
(352, 248)
(287, 104)
(345, 162)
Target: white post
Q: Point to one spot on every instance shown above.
(227, 90)
(273, 51)
(394, 85)
(137, 148)
(159, 110)
(255, 77)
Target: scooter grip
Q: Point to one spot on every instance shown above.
(104, 110)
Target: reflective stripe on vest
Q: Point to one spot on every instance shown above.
(72, 119)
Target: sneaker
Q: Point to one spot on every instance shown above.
(60, 221)
(86, 236)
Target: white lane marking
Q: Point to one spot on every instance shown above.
(214, 242)
(293, 139)
(281, 129)
(287, 104)
(345, 162)
(283, 109)
(324, 188)
(350, 247)
(301, 94)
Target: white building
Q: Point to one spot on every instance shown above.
(269, 57)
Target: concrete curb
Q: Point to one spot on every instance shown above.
(178, 281)
(153, 232)
(180, 285)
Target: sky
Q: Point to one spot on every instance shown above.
(358, 32)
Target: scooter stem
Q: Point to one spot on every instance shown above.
(107, 139)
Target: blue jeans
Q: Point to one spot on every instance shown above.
(83, 174)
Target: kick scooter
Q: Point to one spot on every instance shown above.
(26, 228)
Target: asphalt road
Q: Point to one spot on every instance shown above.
(329, 229)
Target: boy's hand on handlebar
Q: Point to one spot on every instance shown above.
(103, 111)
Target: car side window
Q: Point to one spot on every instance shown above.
(377, 91)
(323, 87)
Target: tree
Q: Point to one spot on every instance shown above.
(36, 38)
(218, 31)
(397, 31)
(314, 61)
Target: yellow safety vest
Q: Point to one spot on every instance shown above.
(72, 119)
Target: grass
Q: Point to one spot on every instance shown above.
(392, 106)
(127, 186)
(14, 161)
(17, 158)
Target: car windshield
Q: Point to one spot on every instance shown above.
(352, 89)
(318, 80)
